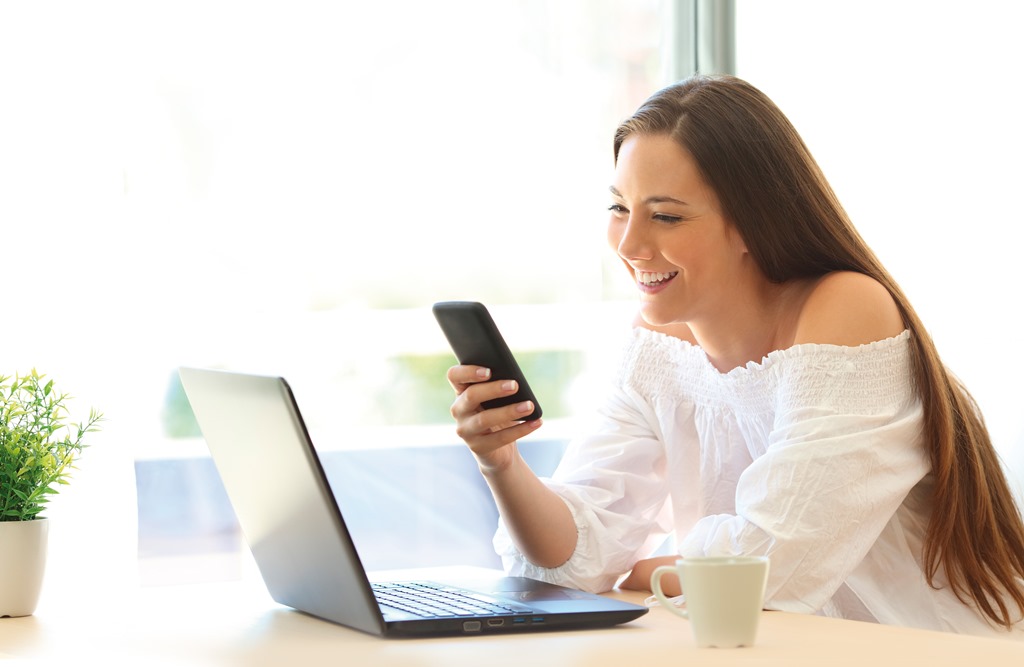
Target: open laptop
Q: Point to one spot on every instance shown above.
(305, 554)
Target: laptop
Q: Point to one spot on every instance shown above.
(304, 552)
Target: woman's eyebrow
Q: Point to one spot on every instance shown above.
(657, 199)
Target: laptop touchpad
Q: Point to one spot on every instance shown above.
(531, 590)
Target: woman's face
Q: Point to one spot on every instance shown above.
(666, 226)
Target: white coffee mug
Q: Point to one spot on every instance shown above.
(724, 597)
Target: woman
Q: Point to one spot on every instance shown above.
(779, 396)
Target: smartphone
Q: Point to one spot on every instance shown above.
(476, 341)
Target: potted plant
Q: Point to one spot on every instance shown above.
(38, 449)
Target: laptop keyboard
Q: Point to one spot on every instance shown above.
(432, 601)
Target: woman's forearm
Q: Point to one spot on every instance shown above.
(640, 578)
(537, 519)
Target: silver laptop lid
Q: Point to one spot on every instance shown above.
(297, 536)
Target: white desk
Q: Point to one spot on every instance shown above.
(238, 624)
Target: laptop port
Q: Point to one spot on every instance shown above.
(495, 622)
(471, 626)
(537, 619)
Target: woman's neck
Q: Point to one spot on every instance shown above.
(756, 321)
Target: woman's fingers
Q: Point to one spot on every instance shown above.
(488, 431)
(470, 400)
(486, 442)
(461, 377)
(472, 422)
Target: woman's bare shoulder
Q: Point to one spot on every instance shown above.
(848, 308)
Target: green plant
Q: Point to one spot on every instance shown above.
(37, 447)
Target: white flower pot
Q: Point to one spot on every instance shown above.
(22, 563)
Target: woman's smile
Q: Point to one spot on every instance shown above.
(651, 282)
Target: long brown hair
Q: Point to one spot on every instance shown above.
(772, 190)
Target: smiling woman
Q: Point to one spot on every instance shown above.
(779, 397)
(812, 280)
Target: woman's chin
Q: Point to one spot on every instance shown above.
(656, 317)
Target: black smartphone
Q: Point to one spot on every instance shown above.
(476, 341)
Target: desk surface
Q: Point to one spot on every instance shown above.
(238, 624)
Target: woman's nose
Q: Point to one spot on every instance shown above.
(633, 243)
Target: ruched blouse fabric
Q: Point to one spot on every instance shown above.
(813, 457)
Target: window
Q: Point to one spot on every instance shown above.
(286, 188)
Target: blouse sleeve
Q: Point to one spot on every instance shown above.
(844, 452)
(614, 485)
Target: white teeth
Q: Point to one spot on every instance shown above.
(651, 278)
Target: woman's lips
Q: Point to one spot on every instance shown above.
(650, 282)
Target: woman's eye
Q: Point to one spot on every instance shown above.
(662, 217)
(617, 208)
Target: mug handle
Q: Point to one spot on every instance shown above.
(656, 589)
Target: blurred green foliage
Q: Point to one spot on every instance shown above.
(176, 415)
(420, 394)
(414, 391)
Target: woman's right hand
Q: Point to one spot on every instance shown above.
(490, 433)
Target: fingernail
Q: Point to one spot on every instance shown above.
(525, 407)
(509, 385)
(483, 373)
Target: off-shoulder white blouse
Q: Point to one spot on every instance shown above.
(813, 457)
